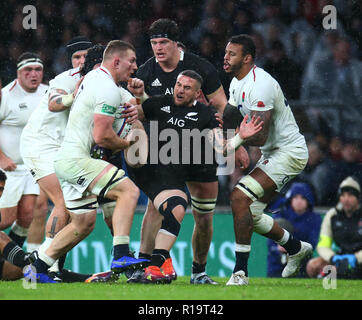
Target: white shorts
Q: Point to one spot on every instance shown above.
(39, 155)
(281, 167)
(40, 167)
(75, 176)
(18, 183)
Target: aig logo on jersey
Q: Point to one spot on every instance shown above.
(177, 122)
(23, 106)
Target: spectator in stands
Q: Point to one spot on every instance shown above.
(338, 77)
(319, 174)
(296, 210)
(287, 72)
(341, 227)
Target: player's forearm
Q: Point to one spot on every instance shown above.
(60, 100)
(326, 253)
(111, 141)
(260, 138)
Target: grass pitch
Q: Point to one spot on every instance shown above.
(258, 289)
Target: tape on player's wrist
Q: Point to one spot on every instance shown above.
(67, 100)
(142, 99)
(236, 141)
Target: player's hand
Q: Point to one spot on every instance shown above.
(130, 112)
(218, 117)
(242, 159)
(7, 164)
(77, 86)
(136, 87)
(248, 129)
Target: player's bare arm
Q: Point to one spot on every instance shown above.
(105, 136)
(60, 100)
(218, 99)
(260, 137)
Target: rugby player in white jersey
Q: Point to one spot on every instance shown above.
(19, 99)
(44, 132)
(83, 178)
(254, 92)
(76, 50)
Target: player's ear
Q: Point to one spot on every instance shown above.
(116, 62)
(248, 59)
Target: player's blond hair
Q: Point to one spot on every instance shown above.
(116, 46)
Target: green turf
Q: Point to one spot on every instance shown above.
(258, 289)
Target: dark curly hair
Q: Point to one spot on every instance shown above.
(93, 57)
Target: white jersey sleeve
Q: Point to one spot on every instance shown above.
(46, 128)
(98, 94)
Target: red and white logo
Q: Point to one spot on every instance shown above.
(261, 104)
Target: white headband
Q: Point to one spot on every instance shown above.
(31, 61)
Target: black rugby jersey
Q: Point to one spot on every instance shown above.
(159, 82)
(163, 114)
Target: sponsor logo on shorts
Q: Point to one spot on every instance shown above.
(80, 181)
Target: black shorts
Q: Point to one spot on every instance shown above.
(152, 179)
(201, 172)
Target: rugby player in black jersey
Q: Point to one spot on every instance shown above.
(159, 74)
(171, 161)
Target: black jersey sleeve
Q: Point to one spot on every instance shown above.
(144, 73)
(151, 107)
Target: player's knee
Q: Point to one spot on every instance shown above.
(41, 209)
(85, 223)
(4, 238)
(203, 206)
(203, 222)
(171, 207)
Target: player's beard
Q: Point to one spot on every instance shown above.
(235, 68)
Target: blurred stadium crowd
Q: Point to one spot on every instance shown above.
(320, 71)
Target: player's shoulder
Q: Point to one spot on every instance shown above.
(161, 98)
(43, 87)
(9, 87)
(73, 72)
(262, 77)
(207, 109)
(146, 67)
(197, 61)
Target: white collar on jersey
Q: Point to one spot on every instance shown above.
(182, 53)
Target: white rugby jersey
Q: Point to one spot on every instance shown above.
(259, 91)
(98, 94)
(15, 109)
(44, 126)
